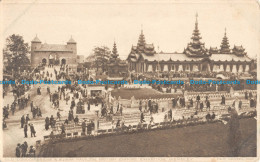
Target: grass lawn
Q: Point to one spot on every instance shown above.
(194, 141)
(141, 93)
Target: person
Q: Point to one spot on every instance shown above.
(83, 126)
(39, 112)
(173, 102)
(23, 149)
(50, 97)
(22, 121)
(52, 121)
(170, 114)
(118, 123)
(58, 115)
(208, 104)
(25, 129)
(27, 119)
(208, 117)
(246, 95)
(121, 109)
(17, 150)
(213, 116)
(39, 90)
(151, 120)
(32, 106)
(240, 104)
(47, 123)
(76, 120)
(223, 100)
(33, 132)
(62, 129)
(142, 118)
(4, 124)
(32, 151)
(12, 109)
(88, 106)
(89, 129)
(66, 121)
(201, 106)
(140, 107)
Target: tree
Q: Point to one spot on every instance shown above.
(16, 52)
(234, 134)
(101, 55)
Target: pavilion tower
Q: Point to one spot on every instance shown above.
(114, 51)
(196, 47)
(224, 47)
(141, 42)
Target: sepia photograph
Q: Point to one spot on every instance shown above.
(129, 79)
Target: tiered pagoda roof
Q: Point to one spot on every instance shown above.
(114, 51)
(142, 48)
(213, 50)
(239, 50)
(224, 47)
(196, 48)
(114, 60)
(195, 51)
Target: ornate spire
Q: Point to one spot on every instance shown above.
(114, 51)
(196, 34)
(196, 48)
(141, 41)
(224, 47)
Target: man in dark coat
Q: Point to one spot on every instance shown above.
(27, 119)
(170, 114)
(88, 106)
(223, 100)
(142, 118)
(22, 121)
(32, 106)
(62, 129)
(201, 106)
(76, 120)
(173, 103)
(25, 129)
(208, 104)
(89, 128)
(33, 132)
(18, 151)
(47, 123)
(83, 126)
(24, 149)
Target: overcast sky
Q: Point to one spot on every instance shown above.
(167, 25)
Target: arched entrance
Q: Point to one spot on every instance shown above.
(63, 61)
(204, 67)
(51, 60)
(44, 61)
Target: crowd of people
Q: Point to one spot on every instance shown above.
(80, 100)
(22, 150)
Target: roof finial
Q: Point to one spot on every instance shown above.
(225, 31)
(197, 17)
(141, 28)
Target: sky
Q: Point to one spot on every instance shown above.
(166, 24)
